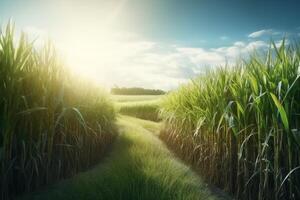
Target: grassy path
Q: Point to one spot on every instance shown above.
(139, 167)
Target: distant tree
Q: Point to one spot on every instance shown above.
(136, 91)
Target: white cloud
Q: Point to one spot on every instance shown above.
(201, 57)
(224, 38)
(263, 32)
(255, 46)
(279, 43)
(128, 60)
(183, 63)
(238, 49)
(155, 65)
(239, 44)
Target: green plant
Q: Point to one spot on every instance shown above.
(145, 110)
(239, 125)
(51, 125)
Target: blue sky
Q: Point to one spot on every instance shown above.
(191, 21)
(153, 43)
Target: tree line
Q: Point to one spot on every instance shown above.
(136, 91)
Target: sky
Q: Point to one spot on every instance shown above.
(152, 43)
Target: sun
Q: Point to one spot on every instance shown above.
(90, 51)
(90, 44)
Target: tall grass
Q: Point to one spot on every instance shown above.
(138, 168)
(148, 110)
(51, 125)
(239, 126)
(139, 106)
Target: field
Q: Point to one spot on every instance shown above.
(135, 98)
(140, 106)
(54, 127)
(232, 132)
(51, 125)
(139, 167)
(239, 126)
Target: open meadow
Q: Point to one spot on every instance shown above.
(140, 106)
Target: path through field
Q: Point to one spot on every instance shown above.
(139, 167)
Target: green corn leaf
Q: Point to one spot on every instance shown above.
(282, 112)
(79, 117)
(31, 110)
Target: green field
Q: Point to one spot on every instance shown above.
(140, 106)
(239, 126)
(233, 132)
(54, 127)
(139, 167)
(52, 124)
(135, 98)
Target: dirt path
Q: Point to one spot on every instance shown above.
(139, 167)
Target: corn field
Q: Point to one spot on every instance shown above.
(51, 124)
(239, 125)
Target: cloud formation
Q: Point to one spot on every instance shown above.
(224, 38)
(264, 32)
(128, 60)
(176, 64)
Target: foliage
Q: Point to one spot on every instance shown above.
(51, 125)
(140, 106)
(136, 91)
(135, 98)
(239, 126)
(143, 111)
(138, 168)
